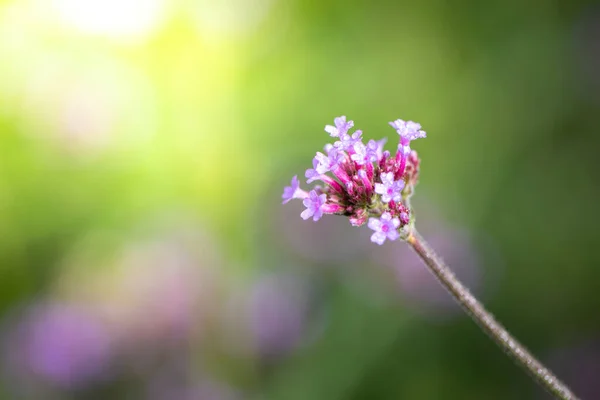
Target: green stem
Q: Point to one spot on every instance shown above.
(542, 375)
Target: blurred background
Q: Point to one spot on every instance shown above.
(144, 146)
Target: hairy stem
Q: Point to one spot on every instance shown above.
(486, 321)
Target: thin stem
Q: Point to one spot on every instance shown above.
(486, 321)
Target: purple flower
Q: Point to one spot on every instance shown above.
(385, 228)
(380, 144)
(408, 131)
(347, 141)
(314, 206)
(293, 191)
(365, 154)
(341, 127)
(324, 163)
(312, 174)
(335, 157)
(389, 189)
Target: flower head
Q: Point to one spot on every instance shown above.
(363, 180)
(385, 227)
(314, 206)
(341, 127)
(389, 189)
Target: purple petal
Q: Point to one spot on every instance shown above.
(378, 237)
(306, 214)
(393, 235)
(380, 188)
(374, 224)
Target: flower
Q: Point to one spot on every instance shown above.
(389, 189)
(380, 144)
(312, 174)
(333, 160)
(408, 131)
(365, 154)
(314, 206)
(347, 141)
(293, 191)
(362, 180)
(341, 127)
(323, 163)
(385, 228)
(336, 157)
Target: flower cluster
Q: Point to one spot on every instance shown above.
(362, 181)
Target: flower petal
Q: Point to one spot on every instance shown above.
(374, 224)
(306, 214)
(378, 237)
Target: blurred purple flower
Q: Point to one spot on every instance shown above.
(61, 345)
(278, 309)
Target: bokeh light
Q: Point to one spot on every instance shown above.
(111, 18)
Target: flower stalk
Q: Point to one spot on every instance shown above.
(487, 322)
